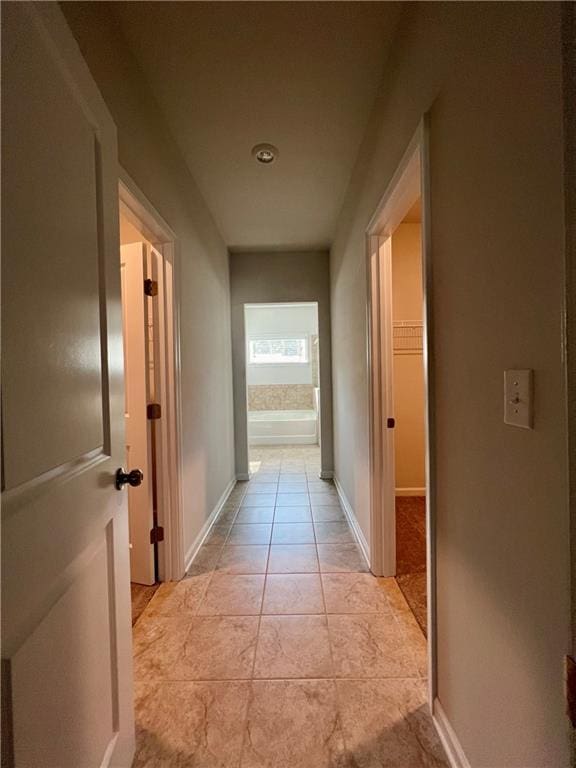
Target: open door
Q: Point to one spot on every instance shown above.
(66, 640)
(136, 329)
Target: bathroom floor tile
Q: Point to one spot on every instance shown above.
(387, 723)
(323, 499)
(243, 559)
(293, 594)
(232, 595)
(293, 533)
(293, 558)
(250, 534)
(293, 724)
(293, 646)
(189, 724)
(369, 645)
(337, 558)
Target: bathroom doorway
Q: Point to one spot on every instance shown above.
(282, 376)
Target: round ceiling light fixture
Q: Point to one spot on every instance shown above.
(265, 153)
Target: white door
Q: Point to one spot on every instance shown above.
(136, 327)
(66, 637)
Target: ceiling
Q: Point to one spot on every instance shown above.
(300, 75)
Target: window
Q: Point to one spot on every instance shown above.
(274, 351)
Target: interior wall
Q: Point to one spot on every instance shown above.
(407, 306)
(490, 76)
(276, 277)
(149, 155)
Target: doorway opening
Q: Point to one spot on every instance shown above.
(149, 323)
(401, 390)
(282, 377)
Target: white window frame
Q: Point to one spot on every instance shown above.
(276, 336)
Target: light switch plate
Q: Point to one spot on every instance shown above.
(518, 398)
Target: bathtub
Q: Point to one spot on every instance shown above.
(282, 428)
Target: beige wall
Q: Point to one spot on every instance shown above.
(273, 277)
(490, 74)
(149, 155)
(409, 435)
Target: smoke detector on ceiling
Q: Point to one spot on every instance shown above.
(265, 153)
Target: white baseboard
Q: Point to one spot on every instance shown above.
(199, 540)
(454, 751)
(410, 491)
(242, 477)
(326, 474)
(349, 512)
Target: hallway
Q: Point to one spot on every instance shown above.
(279, 648)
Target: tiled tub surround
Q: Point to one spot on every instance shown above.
(280, 397)
(279, 649)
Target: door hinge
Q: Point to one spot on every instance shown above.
(150, 287)
(156, 534)
(571, 689)
(390, 422)
(154, 411)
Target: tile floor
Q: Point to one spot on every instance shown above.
(279, 649)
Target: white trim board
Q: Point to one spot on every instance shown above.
(205, 530)
(354, 524)
(453, 748)
(410, 492)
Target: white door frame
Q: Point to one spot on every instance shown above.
(138, 209)
(411, 180)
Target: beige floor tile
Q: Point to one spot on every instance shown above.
(387, 724)
(227, 516)
(205, 560)
(293, 533)
(179, 598)
(293, 646)
(158, 641)
(292, 515)
(369, 645)
(293, 558)
(293, 724)
(218, 648)
(292, 500)
(259, 500)
(255, 515)
(333, 533)
(353, 593)
(293, 593)
(243, 559)
(261, 488)
(217, 534)
(250, 534)
(232, 595)
(328, 514)
(190, 724)
(338, 558)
